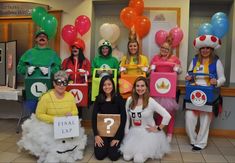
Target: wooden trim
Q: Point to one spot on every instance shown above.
(225, 91)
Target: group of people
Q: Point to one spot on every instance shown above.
(138, 119)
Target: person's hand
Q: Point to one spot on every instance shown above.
(188, 78)
(99, 141)
(99, 72)
(213, 81)
(44, 70)
(153, 67)
(114, 143)
(68, 114)
(68, 70)
(110, 72)
(122, 69)
(82, 71)
(176, 68)
(31, 70)
(145, 69)
(150, 128)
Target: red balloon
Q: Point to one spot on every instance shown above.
(82, 24)
(177, 35)
(142, 26)
(160, 37)
(69, 34)
(138, 5)
(128, 16)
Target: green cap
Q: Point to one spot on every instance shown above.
(40, 31)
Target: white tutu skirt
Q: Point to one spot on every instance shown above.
(169, 104)
(141, 143)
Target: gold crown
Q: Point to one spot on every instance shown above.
(163, 85)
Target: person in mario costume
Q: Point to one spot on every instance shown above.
(77, 62)
(206, 61)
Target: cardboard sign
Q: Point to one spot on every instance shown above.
(66, 127)
(108, 124)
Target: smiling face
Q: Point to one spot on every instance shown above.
(105, 51)
(206, 52)
(60, 85)
(133, 48)
(165, 50)
(42, 40)
(108, 87)
(140, 87)
(75, 51)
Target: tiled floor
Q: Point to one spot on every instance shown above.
(219, 150)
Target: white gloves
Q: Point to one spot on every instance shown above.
(122, 69)
(153, 67)
(68, 70)
(44, 70)
(145, 69)
(81, 70)
(31, 69)
(177, 69)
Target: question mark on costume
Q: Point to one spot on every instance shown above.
(110, 124)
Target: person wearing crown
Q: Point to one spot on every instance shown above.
(133, 58)
(77, 62)
(170, 104)
(206, 61)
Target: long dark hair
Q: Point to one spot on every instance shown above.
(80, 56)
(102, 95)
(135, 96)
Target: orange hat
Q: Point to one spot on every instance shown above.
(79, 43)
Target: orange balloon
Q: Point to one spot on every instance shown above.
(128, 16)
(142, 26)
(138, 5)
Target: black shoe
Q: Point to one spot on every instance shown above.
(192, 145)
(195, 148)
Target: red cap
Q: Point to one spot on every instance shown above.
(79, 43)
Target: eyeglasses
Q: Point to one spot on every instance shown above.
(60, 82)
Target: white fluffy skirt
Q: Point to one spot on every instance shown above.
(140, 142)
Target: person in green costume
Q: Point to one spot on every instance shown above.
(37, 61)
(104, 59)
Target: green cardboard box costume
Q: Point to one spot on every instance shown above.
(38, 57)
(103, 62)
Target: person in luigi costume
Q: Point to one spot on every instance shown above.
(38, 61)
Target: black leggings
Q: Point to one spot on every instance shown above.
(112, 152)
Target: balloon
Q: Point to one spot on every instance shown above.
(142, 26)
(116, 33)
(160, 37)
(205, 29)
(82, 24)
(37, 14)
(106, 31)
(138, 5)
(69, 34)
(49, 24)
(220, 27)
(177, 35)
(128, 16)
(218, 15)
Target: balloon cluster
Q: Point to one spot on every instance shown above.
(82, 26)
(218, 26)
(131, 16)
(110, 32)
(45, 21)
(176, 34)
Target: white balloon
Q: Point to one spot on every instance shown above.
(116, 33)
(106, 31)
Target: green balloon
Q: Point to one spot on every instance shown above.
(37, 14)
(49, 24)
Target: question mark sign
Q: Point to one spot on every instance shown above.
(110, 124)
